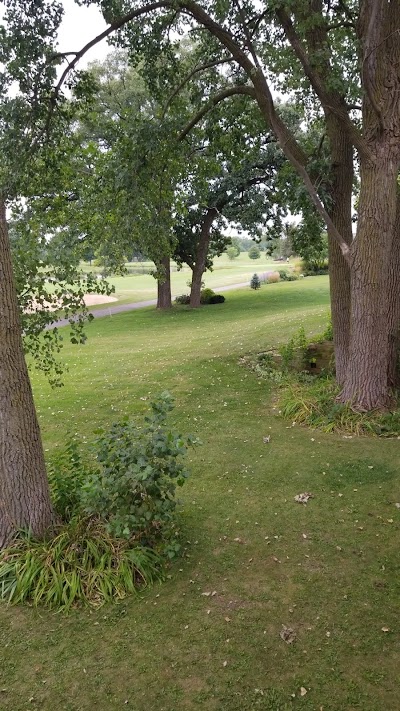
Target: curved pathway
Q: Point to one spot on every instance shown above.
(121, 308)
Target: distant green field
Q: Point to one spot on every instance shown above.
(208, 638)
(142, 287)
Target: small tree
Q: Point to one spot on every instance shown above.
(254, 252)
(232, 253)
(255, 282)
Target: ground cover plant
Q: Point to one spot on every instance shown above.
(255, 560)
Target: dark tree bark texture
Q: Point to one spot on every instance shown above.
(24, 492)
(199, 266)
(164, 300)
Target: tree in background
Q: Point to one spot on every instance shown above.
(255, 282)
(232, 253)
(309, 47)
(254, 252)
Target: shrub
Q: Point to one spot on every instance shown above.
(254, 252)
(273, 278)
(183, 299)
(67, 472)
(217, 299)
(81, 563)
(232, 253)
(133, 489)
(205, 295)
(285, 275)
(255, 282)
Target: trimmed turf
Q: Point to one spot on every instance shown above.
(329, 570)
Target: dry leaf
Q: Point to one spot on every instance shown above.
(267, 440)
(227, 619)
(238, 540)
(225, 664)
(304, 497)
(303, 691)
(287, 634)
(385, 629)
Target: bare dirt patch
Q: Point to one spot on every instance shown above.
(94, 299)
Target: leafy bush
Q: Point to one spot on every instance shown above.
(133, 489)
(254, 252)
(217, 299)
(205, 295)
(255, 282)
(183, 299)
(273, 278)
(67, 473)
(81, 564)
(285, 275)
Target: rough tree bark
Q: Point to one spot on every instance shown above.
(24, 492)
(394, 303)
(164, 299)
(341, 151)
(366, 382)
(199, 266)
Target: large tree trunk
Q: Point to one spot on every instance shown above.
(24, 492)
(199, 266)
(341, 150)
(394, 304)
(366, 381)
(164, 300)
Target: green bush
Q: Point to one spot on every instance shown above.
(133, 489)
(254, 252)
(217, 299)
(205, 295)
(67, 472)
(285, 275)
(183, 299)
(81, 564)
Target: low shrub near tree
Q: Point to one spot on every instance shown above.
(217, 299)
(183, 299)
(310, 399)
(117, 517)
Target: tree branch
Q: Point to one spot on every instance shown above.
(328, 100)
(240, 89)
(188, 77)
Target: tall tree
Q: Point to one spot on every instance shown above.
(347, 56)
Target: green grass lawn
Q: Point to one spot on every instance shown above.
(142, 287)
(208, 638)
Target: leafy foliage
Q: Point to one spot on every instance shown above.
(67, 472)
(183, 299)
(81, 564)
(255, 282)
(254, 252)
(133, 488)
(216, 299)
(206, 295)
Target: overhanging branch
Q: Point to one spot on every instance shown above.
(240, 89)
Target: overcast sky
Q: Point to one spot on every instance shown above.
(80, 25)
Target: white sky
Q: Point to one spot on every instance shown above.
(79, 26)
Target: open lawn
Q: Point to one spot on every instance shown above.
(142, 287)
(209, 637)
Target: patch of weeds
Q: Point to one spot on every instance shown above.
(312, 402)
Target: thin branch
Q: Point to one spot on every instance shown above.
(243, 89)
(248, 43)
(188, 77)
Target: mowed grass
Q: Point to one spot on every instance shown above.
(132, 288)
(209, 637)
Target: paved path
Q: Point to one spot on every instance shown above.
(121, 308)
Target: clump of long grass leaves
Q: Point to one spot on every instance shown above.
(311, 401)
(80, 563)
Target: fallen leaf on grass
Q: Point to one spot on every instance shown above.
(303, 691)
(385, 629)
(304, 497)
(287, 634)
